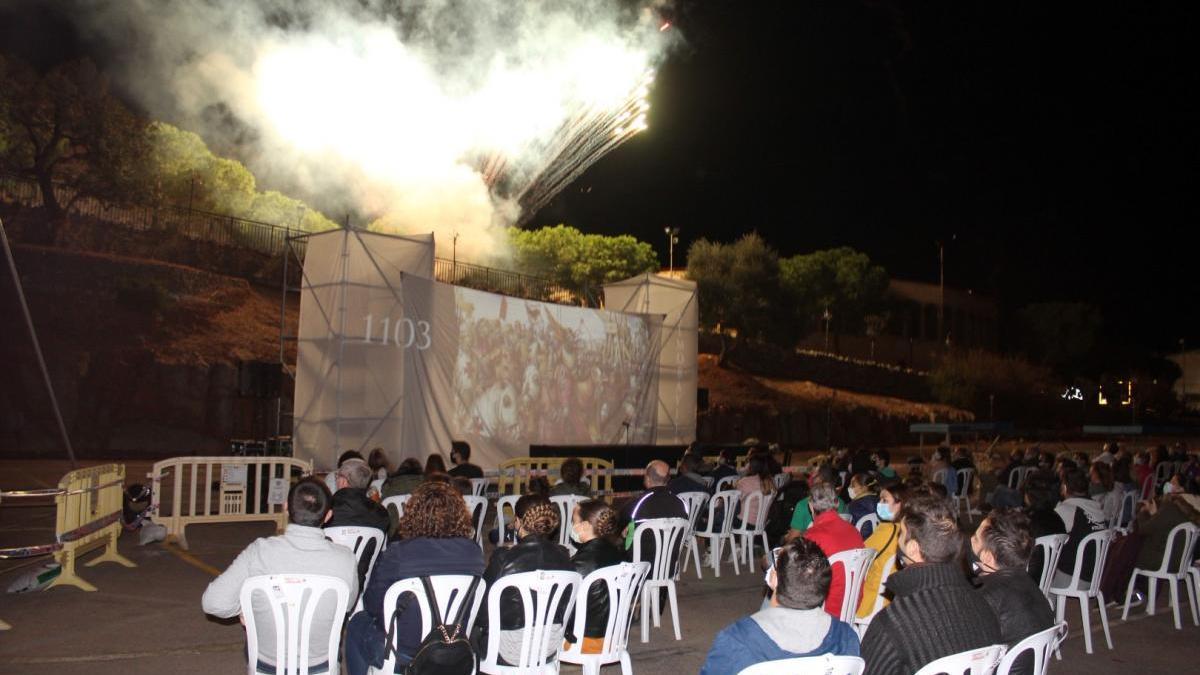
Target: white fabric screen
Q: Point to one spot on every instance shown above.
(677, 378)
(387, 357)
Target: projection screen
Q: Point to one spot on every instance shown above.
(421, 363)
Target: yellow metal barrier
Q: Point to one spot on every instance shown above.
(89, 516)
(241, 487)
(514, 474)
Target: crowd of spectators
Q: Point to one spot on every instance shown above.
(951, 584)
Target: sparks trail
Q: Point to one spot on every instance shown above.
(589, 133)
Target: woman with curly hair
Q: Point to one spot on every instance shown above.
(435, 537)
(594, 526)
(536, 521)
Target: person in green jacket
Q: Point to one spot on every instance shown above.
(802, 517)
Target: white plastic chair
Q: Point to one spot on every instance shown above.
(478, 486)
(1163, 472)
(449, 590)
(566, 507)
(509, 501)
(397, 501)
(694, 503)
(624, 583)
(707, 480)
(1016, 477)
(962, 499)
(1180, 542)
(1083, 590)
(855, 563)
(980, 661)
(827, 664)
(861, 625)
(1051, 545)
(668, 534)
(871, 519)
(1128, 509)
(719, 533)
(782, 479)
(293, 600)
(1040, 644)
(478, 507)
(748, 531)
(726, 483)
(542, 593)
(1147, 488)
(357, 539)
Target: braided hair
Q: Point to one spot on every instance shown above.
(601, 516)
(538, 514)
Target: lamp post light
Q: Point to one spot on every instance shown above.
(672, 239)
(827, 316)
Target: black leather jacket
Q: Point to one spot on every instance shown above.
(1018, 604)
(530, 554)
(590, 557)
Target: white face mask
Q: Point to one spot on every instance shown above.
(1168, 488)
(575, 538)
(853, 493)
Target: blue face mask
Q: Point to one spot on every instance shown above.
(884, 512)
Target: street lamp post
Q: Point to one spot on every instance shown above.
(941, 316)
(827, 316)
(672, 239)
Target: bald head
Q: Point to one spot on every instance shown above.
(657, 473)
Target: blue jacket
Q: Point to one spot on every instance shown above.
(413, 558)
(743, 644)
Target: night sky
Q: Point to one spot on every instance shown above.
(1056, 142)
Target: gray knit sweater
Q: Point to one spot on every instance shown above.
(935, 612)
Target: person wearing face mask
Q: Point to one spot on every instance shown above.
(793, 624)
(883, 541)
(833, 535)
(1000, 549)
(862, 498)
(593, 528)
(935, 611)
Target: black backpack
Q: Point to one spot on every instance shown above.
(446, 649)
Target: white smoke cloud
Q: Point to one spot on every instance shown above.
(381, 108)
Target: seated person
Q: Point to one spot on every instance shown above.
(656, 502)
(301, 549)
(1040, 497)
(572, 482)
(794, 625)
(688, 478)
(935, 611)
(1000, 548)
(1081, 516)
(726, 465)
(351, 506)
(331, 477)
(536, 520)
(833, 535)
(802, 517)
(405, 480)
(435, 537)
(883, 464)
(863, 499)
(594, 529)
(758, 480)
(460, 457)
(378, 462)
(883, 541)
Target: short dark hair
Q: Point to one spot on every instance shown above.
(435, 464)
(571, 470)
(308, 502)
(463, 449)
(932, 523)
(884, 455)
(1077, 482)
(349, 454)
(689, 463)
(802, 574)
(1040, 491)
(1007, 537)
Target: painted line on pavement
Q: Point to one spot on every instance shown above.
(192, 560)
(121, 656)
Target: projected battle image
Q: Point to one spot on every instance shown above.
(528, 372)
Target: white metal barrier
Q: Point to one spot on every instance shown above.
(221, 490)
